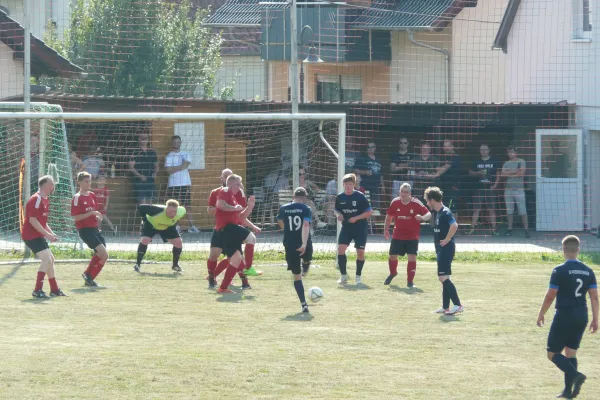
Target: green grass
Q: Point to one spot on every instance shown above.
(160, 336)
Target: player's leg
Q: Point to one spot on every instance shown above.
(307, 258)
(393, 261)
(177, 249)
(102, 254)
(141, 252)
(446, 261)
(213, 257)
(233, 237)
(575, 329)
(46, 260)
(411, 265)
(235, 259)
(342, 259)
(55, 290)
(293, 260)
(360, 243)
(249, 256)
(94, 240)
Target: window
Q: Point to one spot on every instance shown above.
(587, 16)
(336, 88)
(192, 141)
(582, 20)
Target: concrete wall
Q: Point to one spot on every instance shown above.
(11, 73)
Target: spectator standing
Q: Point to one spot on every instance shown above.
(144, 167)
(311, 189)
(94, 164)
(76, 162)
(102, 198)
(370, 170)
(179, 188)
(514, 191)
(486, 171)
(401, 173)
(351, 156)
(449, 175)
(424, 166)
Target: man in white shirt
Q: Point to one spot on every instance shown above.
(180, 183)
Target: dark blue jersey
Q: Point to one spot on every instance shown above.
(443, 220)
(352, 205)
(293, 216)
(572, 279)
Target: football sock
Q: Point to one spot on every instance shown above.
(222, 266)
(141, 253)
(342, 260)
(249, 255)
(393, 264)
(305, 266)
(240, 271)
(299, 286)
(445, 294)
(564, 365)
(411, 271)
(97, 269)
(451, 291)
(90, 269)
(568, 379)
(359, 266)
(229, 274)
(211, 266)
(53, 284)
(39, 282)
(176, 253)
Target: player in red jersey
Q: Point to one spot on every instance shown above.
(407, 212)
(84, 209)
(228, 216)
(103, 197)
(36, 233)
(216, 248)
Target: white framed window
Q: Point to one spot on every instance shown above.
(582, 20)
(193, 141)
(337, 88)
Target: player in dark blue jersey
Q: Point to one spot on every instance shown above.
(569, 284)
(352, 209)
(444, 229)
(295, 218)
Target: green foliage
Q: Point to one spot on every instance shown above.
(132, 48)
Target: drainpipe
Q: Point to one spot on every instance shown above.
(446, 53)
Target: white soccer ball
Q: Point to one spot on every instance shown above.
(315, 294)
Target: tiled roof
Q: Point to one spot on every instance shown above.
(406, 14)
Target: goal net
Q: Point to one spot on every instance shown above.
(136, 159)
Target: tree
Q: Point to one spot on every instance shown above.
(140, 48)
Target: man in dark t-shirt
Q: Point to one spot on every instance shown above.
(370, 170)
(144, 167)
(401, 173)
(486, 172)
(449, 175)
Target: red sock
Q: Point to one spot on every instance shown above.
(53, 284)
(97, 269)
(249, 255)
(411, 270)
(229, 274)
(241, 269)
(221, 267)
(393, 264)
(211, 265)
(92, 265)
(39, 283)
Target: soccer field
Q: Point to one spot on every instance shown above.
(164, 336)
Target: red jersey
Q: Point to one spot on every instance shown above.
(214, 196)
(407, 228)
(82, 204)
(37, 207)
(102, 194)
(224, 218)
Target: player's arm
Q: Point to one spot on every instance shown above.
(593, 293)
(79, 217)
(107, 200)
(224, 206)
(148, 209)
(388, 223)
(548, 300)
(250, 225)
(451, 232)
(48, 234)
(248, 210)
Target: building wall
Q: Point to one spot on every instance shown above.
(41, 12)
(278, 80)
(478, 72)
(418, 74)
(11, 73)
(249, 75)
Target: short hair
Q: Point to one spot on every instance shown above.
(406, 185)
(434, 193)
(83, 175)
(484, 144)
(570, 244)
(45, 179)
(300, 192)
(349, 178)
(172, 203)
(176, 137)
(511, 148)
(233, 177)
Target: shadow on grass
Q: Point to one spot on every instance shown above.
(405, 290)
(301, 316)
(229, 297)
(449, 318)
(160, 275)
(354, 288)
(88, 289)
(11, 273)
(36, 301)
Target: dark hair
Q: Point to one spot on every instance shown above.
(176, 137)
(511, 148)
(300, 192)
(434, 193)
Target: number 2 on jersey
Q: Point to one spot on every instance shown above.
(295, 223)
(577, 291)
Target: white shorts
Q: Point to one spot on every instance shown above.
(512, 197)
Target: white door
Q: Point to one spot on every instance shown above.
(559, 179)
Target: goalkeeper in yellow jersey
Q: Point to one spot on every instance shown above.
(162, 220)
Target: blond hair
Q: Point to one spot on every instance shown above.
(349, 178)
(172, 203)
(82, 175)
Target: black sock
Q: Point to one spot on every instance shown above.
(176, 254)
(141, 253)
(305, 266)
(568, 379)
(359, 266)
(565, 365)
(342, 260)
(299, 286)
(445, 295)
(452, 293)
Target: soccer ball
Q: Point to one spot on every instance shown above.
(315, 294)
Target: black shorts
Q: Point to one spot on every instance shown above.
(232, 238)
(567, 329)
(403, 247)
(144, 190)
(92, 237)
(355, 232)
(215, 240)
(445, 255)
(149, 231)
(181, 194)
(294, 259)
(484, 198)
(36, 245)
